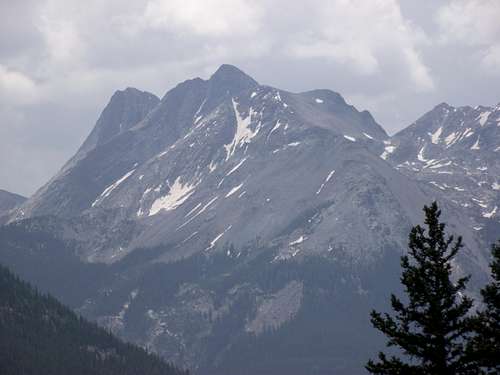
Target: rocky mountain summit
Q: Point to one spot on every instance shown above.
(228, 217)
(229, 161)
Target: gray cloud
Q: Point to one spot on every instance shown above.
(61, 60)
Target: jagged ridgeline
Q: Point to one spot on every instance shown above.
(233, 227)
(39, 335)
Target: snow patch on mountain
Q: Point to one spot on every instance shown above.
(212, 166)
(389, 149)
(235, 168)
(490, 214)
(217, 238)
(437, 185)
(112, 187)
(483, 117)
(193, 210)
(275, 127)
(325, 182)
(367, 135)
(234, 190)
(349, 138)
(177, 195)
(420, 155)
(451, 138)
(204, 208)
(189, 237)
(436, 135)
(476, 146)
(298, 241)
(468, 132)
(440, 165)
(243, 132)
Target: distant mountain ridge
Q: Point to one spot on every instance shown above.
(9, 201)
(458, 151)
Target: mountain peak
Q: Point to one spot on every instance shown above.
(132, 92)
(230, 75)
(125, 109)
(230, 71)
(443, 106)
(227, 81)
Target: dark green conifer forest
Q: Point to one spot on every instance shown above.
(39, 335)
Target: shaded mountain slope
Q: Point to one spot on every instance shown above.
(41, 336)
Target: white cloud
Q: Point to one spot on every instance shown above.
(16, 88)
(475, 23)
(206, 18)
(419, 73)
(344, 53)
(491, 59)
(366, 36)
(96, 38)
(470, 21)
(62, 40)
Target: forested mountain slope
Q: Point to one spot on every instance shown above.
(39, 335)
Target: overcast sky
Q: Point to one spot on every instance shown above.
(61, 60)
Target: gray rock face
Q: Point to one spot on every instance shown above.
(189, 198)
(277, 309)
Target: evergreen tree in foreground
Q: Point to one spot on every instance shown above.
(486, 344)
(430, 330)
